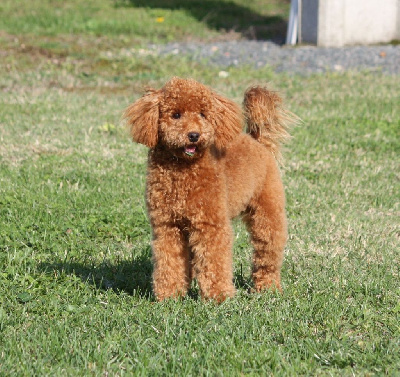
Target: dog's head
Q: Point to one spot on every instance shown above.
(184, 117)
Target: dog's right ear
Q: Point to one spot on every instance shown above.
(142, 117)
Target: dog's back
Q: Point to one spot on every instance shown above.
(251, 159)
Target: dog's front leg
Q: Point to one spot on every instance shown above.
(171, 275)
(212, 259)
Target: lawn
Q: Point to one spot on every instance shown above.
(75, 269)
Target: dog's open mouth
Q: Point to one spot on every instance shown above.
(190, 150)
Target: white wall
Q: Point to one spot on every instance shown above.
(349, 22)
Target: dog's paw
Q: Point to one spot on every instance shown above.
(271, 283)
(219, 295)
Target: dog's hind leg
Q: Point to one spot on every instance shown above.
(266, 221)
(171, 275)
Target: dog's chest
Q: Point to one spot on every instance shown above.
(181, 193)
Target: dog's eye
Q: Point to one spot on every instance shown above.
(176, 115)
(202, 115)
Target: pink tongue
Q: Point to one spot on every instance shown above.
(190, 149)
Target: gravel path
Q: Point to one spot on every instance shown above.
(304, 60)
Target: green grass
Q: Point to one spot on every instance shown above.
(75, 292)
(146, 20)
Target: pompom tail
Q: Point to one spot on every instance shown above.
(267, 120)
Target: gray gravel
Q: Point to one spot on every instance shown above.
(303, 59)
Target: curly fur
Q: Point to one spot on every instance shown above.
(203, 171)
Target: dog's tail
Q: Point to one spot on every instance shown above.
(266, 119)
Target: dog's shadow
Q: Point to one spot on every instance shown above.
(130, 276)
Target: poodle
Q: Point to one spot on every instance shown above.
(203, 170)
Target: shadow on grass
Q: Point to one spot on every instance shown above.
(242, 282)
(131, 276)
(223, 15)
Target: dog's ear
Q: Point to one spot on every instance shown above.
(227, 119)
(142, 118)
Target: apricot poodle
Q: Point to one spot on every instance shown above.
(203, 171)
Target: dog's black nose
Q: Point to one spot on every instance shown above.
(193, 136)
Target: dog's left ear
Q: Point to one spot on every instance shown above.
(227, 119)
(142, 117)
